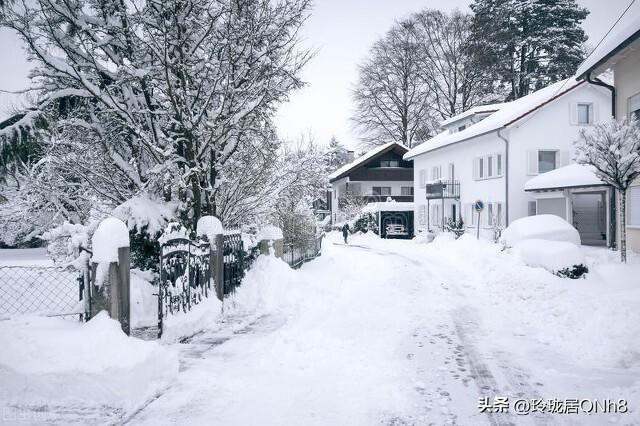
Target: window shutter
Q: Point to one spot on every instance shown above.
(573, 113)
(452, 175)
(633, 208)
(423, 179)
(595, 114)
(564, 158)
(532, 162)
(475, 168)
(439, 172)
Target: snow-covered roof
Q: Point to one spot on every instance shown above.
(508, 114)
(625, 31)
(481, 109)
(388, 206)
(571, 176)
(364, 158)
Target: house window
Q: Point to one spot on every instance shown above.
(452, 170)
(423, 178)
(634, 107)
(633, 198)
(461, 128)
(585, 114)
(435, 173)
(533, 208)
(381, 190)
(499, 164)
(489, 166)
(389, 163)
(422, 215)
(406, 190)
(481, 168)
(546, 161)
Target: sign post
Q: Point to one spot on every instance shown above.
(478, 206)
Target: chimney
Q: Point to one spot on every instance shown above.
(350, 156)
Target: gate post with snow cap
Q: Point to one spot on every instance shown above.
(110, 271)
(211, 227)
(271, 241)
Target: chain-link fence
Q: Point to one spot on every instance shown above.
(39, 290)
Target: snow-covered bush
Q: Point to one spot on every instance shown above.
(542, 227)
(558, 257)
(455, 226)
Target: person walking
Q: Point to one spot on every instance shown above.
(345, 232)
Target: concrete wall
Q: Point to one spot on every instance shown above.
(627, 82)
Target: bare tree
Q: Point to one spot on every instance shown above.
(456, 82)
(613, 148)
(391, 97)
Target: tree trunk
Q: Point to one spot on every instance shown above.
(623, 225)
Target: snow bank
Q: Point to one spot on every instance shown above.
(112, 233)
(202, 316)
(142, 211)
(270, 233)
(554, 256)
(543, 227)
(209, 226)
(144, 302)
(94, 366)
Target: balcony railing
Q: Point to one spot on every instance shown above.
(369, 198)
(445, 189)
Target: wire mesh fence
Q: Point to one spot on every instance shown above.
(297, 254)
(40, 290)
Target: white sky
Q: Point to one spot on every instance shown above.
(342, 32)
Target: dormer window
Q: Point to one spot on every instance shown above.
(461, 128)
(389, 163)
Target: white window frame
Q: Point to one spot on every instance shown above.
(633, 105)
(633, 207)
(589, 106)
(486, 167)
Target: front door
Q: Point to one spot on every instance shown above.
(590, 218)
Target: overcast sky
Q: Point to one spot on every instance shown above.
(342, 31)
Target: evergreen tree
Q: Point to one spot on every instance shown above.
(337, 155)
(532, 43)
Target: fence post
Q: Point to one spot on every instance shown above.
(218, 269)
(110, 271)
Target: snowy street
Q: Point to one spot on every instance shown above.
(392, 332)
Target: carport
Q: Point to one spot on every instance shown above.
(577, 195)
(392, 216)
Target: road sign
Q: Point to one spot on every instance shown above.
(478, 206)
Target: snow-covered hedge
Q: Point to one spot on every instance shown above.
(541, 227)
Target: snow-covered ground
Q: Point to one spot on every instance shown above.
(394, 332)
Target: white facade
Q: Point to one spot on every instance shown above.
(540, 139)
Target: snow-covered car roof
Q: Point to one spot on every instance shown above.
(571, 176)
(508, 114)
(622, 34)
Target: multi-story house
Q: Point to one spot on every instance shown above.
(489, 153)
(380, 178)
(619, 51)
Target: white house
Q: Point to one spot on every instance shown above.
(489, 153)
(619, 51)
(380, 176)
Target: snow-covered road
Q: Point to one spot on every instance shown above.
(393, 332)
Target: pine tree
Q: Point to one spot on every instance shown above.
(532, 43)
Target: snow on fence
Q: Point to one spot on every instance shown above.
(44, 290)
(297, 254)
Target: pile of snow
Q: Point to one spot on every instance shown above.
(144, 302)
(270, 233)
(72, 366)
(111, 235)
(209, 226)
(542, 227)
(554, 256)
(141, 211)
(205, 315)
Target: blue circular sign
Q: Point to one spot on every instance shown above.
(478, 206)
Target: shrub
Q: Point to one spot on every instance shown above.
(575, 272)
